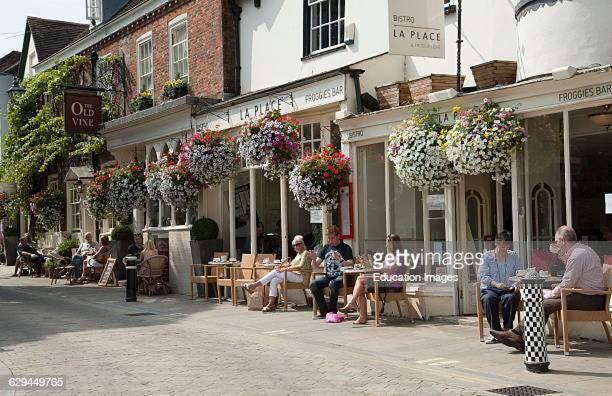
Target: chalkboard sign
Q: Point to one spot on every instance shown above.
(108, 274)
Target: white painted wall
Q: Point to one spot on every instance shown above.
(570, 33)
(31, 59)
(271, 41)
(5, 83)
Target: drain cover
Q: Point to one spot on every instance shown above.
(523, 390)
(140, 314)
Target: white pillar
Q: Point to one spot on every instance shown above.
(387, 194)
(451, 238)
(568, 168)
(283, 209)
(148, 214)
(528, 230)
(172, 215)
(253, 210)
(499, 207)
(232, 216)
(426, 231)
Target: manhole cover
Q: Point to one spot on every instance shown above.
(140, 314)
(523, 390)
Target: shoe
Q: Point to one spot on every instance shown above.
(348, 309)
(509, 338)
(268, 308)
(491, 340)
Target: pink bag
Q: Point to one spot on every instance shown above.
(334, 317)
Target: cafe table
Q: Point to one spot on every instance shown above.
(224, 266)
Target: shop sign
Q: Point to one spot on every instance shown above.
(316, 216)
(317, 94)
(82, 111)
(416, 28)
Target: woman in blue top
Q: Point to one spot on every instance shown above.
(497, 267)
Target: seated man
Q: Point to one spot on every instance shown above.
(86, 247)
(497, 267)
(582, 270)
(136, 248)
(25, 249)
(333, 256)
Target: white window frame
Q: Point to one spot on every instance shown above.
(75, 206)
(310, 143)
(176, 24)
(145, 38)
(93, 12)
(341, 20)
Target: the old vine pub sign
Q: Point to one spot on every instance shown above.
(416, 28)
(82, 111)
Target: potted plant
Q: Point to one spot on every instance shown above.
(204, 243)
(11, 239)
(211, 157)
(127, 190)
(96, 195)
(178, 187)
(64, 249)
(142, 101)
(48, 207)
(122, 237)
(175, 89)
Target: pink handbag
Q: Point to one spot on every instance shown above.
(334, 317)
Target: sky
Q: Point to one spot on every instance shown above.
(14, 13)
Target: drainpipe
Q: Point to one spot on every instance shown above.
(236, 11)
(355, 73)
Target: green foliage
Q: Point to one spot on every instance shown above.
(174, 89)
(122, 233)
(36, 139)
(11, 232)
(204, 229)
(143, 101)
(65, 248)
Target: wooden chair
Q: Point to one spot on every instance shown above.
(151, 273)
(23, 262)
(379, 296)
(206, 278)
(570, 315)
(238, 275)
(480, 311)
(293, 286)
(344, 291)
(63, 268)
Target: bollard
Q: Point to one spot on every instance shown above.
(130, 271)
(536, 358)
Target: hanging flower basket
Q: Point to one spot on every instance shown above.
(154, 174)
(178, 187)
(127, 190)
(316, 179)
(271, 141)
(48, 207)
(4, 202)
(211, 157)
(96, 195)
(482, 140)
(414, 149)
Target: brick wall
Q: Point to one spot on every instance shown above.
(211, 47)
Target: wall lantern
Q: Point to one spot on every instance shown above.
(15, 89)
(79, 186)
(603, 119)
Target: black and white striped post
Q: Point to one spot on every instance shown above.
(536, 357)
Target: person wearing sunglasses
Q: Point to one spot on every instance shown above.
(298, 271)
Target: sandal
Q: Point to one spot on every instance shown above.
(268, 308)
(360, 322)
(348, 309)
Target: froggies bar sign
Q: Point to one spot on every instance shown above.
(416, 28)
(82, 111)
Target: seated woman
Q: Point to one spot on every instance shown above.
(86, 247)
(298, 271)
(98, 259)
(365, 284)
(148, 250)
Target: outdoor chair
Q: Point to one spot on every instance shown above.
(24, 263)
(207, 277)
(292, 286)
(381, 296)
(570, 315)
(238, 275)
(63, 268)
(480, 311)
(150, 274)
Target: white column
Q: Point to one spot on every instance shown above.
(499, 207)
(253, 210)
(568, 168)
(528, 230)
(232, 216)
(518, 214)
(283, 209)
(160, 213)
(451, 238)
(426, 231)
(172, 215)
(148, 214)
(137, 215)
(387, 193)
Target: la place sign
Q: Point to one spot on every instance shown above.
(82, 111)
(416, 28)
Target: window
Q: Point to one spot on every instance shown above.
(145, 64)
(476, 209)
(311, 137)
(179, 65)
(543, 212)
(75, 207)
(325, 22)
(94, 9)
(450, 6)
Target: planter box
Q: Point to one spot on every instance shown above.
(119, 251)
(201, 253)
(494, 73)
(10, 249)
(421, 87)
(393, 95)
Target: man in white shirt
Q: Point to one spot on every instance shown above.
(583, 270)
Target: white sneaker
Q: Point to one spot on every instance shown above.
(491, 340)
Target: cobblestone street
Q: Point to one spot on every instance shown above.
(193, 347)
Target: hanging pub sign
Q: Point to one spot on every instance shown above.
(82, 111)
(416, 28)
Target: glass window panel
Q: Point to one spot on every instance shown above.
(371, 198)
(316, 131)
(342, 8)
(334, 34)
(315, 42)
(315, 16)
(324, 11)
(341, 31)
(334, 9)
(317, 145)
(306, 132)
(325, 36)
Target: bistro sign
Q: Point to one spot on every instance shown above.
(82, 111)
(416, 28)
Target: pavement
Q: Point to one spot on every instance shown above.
(171, 345)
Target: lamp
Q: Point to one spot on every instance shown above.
(15, 89)
(79, 186)
(603, 119)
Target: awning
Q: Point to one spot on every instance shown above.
(79, 173)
